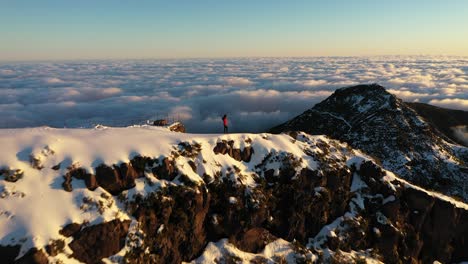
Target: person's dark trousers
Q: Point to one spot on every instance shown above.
(225, 129)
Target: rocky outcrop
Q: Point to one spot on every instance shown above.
(33, 256)
(177, 127)
(93, 243)
(11, 175)
(226, 147)
(115, 179)
(414, 226)
(173, 224)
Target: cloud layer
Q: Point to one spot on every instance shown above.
(255, 93)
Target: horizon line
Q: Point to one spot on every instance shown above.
(227, 57)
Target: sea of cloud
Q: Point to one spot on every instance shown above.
(255, 93)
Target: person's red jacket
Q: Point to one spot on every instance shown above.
(225, 121)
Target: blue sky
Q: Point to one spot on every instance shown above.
(41, 30)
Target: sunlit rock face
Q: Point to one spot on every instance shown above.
(179, 197)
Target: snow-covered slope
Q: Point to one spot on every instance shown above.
(147, 195)
(370, 119)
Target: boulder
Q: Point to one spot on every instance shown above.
(93, 243)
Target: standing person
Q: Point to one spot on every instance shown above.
(225, 123)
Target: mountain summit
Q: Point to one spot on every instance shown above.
(369, 118)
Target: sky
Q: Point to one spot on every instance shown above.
(147, 29)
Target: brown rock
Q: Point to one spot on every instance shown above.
(246, 154)
(109, 179)
(55, 247)
(128, 175)
(66, 184)
(82, 174)
(254, 240)
(236, 154)
(93, 243)
(221, 148)
(56, 167)
(177, 127)
(166, 170)
(35, 162)
(70, 229)
(90, 181)
(12, 175)
(193, 165)
(33, 256)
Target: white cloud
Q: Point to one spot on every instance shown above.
(255, 93)
(6, 72)
(266, 75)
(312, 82)
(182, 113)
(461, 132)
(407, 95)
(53, 80)
(452, 103)
(237, 81)
(111, 91)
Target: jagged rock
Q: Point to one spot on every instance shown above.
(177, 127)
(421, 226)
(117, 178)
(254, 240)
(70, 229)
(127, 175)
(82, 174)
(35, 162)
(236, 154)
(160, 122)
(246, 154)
(226, 147)
(166, 170)
(12, 175)
(174, 227)
(193, 166)
(55, 247)
(108, 178)
(66, 184)
(93, 243)
(139, 163)
(56, 167)
(221, 148)
(114, 179)
(33, 256)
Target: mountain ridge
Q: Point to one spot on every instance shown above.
(154, 196)
(378, 123)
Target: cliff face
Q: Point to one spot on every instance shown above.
(370, 119)
(202, 198)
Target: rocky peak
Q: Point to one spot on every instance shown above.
(352, 101)
(371, 119)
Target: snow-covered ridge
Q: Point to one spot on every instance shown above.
(35, 206)
(371, 119)
(39, 192)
